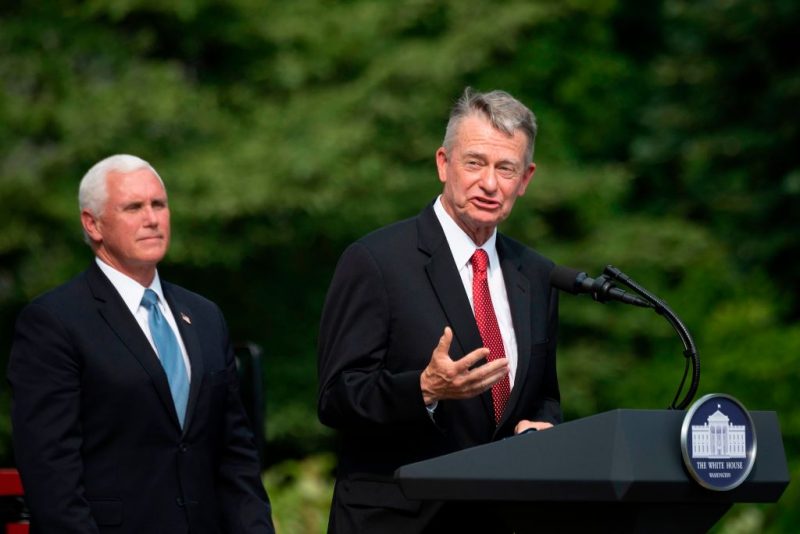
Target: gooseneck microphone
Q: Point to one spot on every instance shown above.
(601, 288)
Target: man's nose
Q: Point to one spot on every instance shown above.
(489, 179)
(150, 217)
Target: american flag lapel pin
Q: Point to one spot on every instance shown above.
(186, 318)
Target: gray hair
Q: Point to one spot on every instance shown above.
(93, 190)
(503, 111)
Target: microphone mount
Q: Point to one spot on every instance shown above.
(660, 307)
(602, 289)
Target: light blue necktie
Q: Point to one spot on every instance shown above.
(170, 353)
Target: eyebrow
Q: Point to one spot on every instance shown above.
(481, 155)
(138, 203)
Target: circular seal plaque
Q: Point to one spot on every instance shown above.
(718, 442)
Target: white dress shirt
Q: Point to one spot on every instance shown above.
(462, 247)
(132, 292)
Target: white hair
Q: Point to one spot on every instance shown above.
(93, 190)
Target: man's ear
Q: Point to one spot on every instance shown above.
(441, 164)
(91, 225)
(527, 178)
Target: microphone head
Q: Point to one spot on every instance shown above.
(566, 279)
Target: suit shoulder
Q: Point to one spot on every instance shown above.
(186, 296)
(386, 242)
(523, 251)
(391, 234)
(66, 304)
(197, 308)
(72, 291)
(529, 257)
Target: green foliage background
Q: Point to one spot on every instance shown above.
(284, 130)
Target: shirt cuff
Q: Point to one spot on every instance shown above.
(432, 408)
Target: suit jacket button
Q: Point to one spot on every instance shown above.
(182, 447)
(179, 501)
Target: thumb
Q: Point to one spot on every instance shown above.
(445, 340)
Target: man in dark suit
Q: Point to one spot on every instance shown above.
(438, 333)
(126, 414)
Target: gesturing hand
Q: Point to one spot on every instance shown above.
(444, 378)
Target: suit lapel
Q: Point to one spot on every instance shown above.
(183, 318)
(519, 300)
(446, 283)
(118, 317)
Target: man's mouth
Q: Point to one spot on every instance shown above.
(485, 203)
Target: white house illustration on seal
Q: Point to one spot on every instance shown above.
(718, 438)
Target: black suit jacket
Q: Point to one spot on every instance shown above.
(96, 436)
(391, 296)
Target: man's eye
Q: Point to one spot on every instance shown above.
(507, 171)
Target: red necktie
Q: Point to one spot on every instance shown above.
(487, 325)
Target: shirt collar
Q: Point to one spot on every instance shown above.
(461, 245)
(129, 289)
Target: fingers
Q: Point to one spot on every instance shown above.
(475, 381)
(444, 378)
(468, 361)
(522, 426)
(525, 425)
(493, 371)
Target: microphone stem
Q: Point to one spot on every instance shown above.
(690, 350)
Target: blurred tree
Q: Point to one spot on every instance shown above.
(723, 125)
